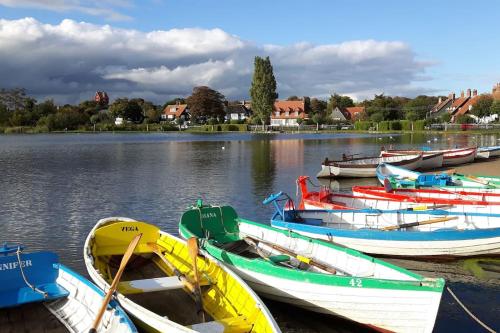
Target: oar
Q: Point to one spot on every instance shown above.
(478, 180)
(425, 207)
(114, 284)
(414, 224)
(192, 244)
(299, 257)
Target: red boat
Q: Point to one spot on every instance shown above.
(377, 198)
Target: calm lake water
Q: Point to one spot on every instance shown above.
(53, 189)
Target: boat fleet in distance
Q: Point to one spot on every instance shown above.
(409, 159)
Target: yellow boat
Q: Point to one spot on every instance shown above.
(156, 288)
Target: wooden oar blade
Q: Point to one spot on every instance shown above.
(130, 250)
(126, 257)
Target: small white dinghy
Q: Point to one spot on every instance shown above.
(366, 166)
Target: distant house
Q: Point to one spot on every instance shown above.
(338, 115)
(101, 97)
(286, 113)
(470, 101)
(237, 111)
(354, 113)
(442, 106)
(118, 121)
(176, 111)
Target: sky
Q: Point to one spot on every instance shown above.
(160, 49)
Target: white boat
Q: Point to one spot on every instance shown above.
(429, 160)
(38, 294)
(157, 288)
(366, 167)
(397, 233)
(316, 275)
(488, 152)
(450, 156)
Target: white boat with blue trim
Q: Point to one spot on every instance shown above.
(395, 233)
(38, 294)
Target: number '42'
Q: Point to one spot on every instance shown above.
(356, 283)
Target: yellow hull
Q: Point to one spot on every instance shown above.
(229, 304)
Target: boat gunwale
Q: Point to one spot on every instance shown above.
(259, 265)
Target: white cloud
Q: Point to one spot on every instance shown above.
(90, 7)
(71, 60)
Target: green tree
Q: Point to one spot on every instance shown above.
(339, 101)
(14, 99)
(495, 108)
(445, 118)
(482, 106)
(293, 98)
(417, 108)
(389, 108)
(464, 119)
(318, 106)
(4, 115)
(206, 103)
(263, 89)
(127, 109)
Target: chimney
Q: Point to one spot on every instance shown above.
(474, 92)
(468, 93)
(462, 94)
(452, 96)
(440, 100)
(177, 102)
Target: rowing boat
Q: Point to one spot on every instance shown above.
(326, 199)
(430, 161)
(38, 294)
(488, 152)
(403, 178)
(161, 290)
(395, 233)
(450, 156)
(316, 275)
(366, 166)
(433, 195)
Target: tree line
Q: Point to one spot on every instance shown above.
(208, 106)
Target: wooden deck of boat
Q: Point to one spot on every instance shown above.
(177, 305)
(29, 318)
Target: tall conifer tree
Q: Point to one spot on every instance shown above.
(263, 89)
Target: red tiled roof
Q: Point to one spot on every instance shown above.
(465, 108)
(439, 106)
(354, 111)
(179, 109)
(459, 102)
(292, 107)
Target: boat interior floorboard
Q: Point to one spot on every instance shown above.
(177, 305)
(29, 318)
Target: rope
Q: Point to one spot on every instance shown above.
(18, 252)
(486, 327)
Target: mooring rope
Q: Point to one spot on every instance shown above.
(18, 252)
(486, 327)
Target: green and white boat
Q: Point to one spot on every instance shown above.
(316, 275)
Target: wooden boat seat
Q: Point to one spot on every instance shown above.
(237, 324)
(154, 284)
